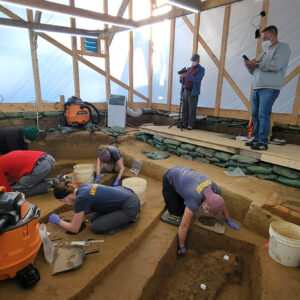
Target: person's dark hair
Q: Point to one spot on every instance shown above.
(271, 28)
(63, 189)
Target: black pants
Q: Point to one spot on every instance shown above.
(189, 108)
(104, 222)
(174, 202)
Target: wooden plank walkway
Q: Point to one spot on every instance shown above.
(287, 156)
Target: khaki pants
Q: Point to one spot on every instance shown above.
(111, 166)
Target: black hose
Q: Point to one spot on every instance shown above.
(91, 115)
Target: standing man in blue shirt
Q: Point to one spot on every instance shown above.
(191, 91)
(268, 72)
(184, 190)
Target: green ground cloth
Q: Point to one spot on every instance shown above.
(172, 142)
(173, 151)
(158, 138)
(244, 159)
(205, 151)
(157, 155)
(260, 170)
(188, 147)
(195, 154)
(182, 151)
(291, 182)
(204, 160)
(223, 156)
(160, 147)
(188, 157)
(286, 172)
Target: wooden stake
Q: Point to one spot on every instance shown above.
(130, 92)
(171, 62)
(107, 60)
(222, 59)
(35, 65)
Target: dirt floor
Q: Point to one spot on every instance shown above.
(137, 261)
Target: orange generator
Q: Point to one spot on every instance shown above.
(20, 239)
(78, 112)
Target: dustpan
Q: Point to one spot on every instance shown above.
(70, 259)
(211, 223)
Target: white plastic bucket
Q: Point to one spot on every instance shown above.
(138, 185)
(284, 244)
(84, 173)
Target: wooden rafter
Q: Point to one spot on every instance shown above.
(107, 59)
(150, 78)
(73, 11)
(130, 92)
(196, 32)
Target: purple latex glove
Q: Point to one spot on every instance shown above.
(97, 179)
(54, 219)
(116, 182)
(181, 250)
(232, 224)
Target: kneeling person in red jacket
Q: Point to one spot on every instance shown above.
(27, 170)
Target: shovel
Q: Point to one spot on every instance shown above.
(211, 223)
(70, 259)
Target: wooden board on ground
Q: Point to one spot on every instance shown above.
(286, 156)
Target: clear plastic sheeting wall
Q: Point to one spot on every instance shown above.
(161, 50)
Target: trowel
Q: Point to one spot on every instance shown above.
(70, 259)
(211, 223)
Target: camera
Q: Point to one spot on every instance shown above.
(183, 70)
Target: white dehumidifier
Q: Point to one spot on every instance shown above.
(116, 111)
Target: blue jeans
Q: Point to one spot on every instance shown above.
(262, 102)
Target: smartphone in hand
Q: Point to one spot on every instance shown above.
(245, 57)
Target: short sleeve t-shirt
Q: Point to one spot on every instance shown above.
(114, 153)
(190, 185)
(100, 198)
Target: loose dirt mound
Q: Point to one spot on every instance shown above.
(194, 269)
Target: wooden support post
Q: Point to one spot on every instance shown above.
(222, 59)
(107, 60)
(130, 92)
(75, 55)
(196, 32)
(296, 106)
(150, 75)
(35, 65)
(171, 62)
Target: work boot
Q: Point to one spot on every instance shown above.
(259, 146)
(250, 144)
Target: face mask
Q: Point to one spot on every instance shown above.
(26, 141)
(266, 44)
(194, 63)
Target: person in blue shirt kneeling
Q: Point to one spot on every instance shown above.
(112, 207)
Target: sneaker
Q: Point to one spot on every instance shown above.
(259, 146)
(61, 178)
(190, 127)
(54, 182)
(250, 144)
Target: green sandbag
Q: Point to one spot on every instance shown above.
(244, 159)
(223, 156)
(172, 151)
(213, 159)
(142, 138)
(159, 147)
(53, 113)
(10, 115)
(286, 172)
(219, 164)
(272, 177)
(32, 116)
(260, 170)
(158, 138)
(236, 164)
(171, 146)
(138, 133)
(118, 130)
(206, 151)
(202, 159)
(243, 169)
(172, 142)
(145, 151)
(186, 157)
(155, 142)
(188, 147)
(182, 151)
(195, 154)
(158, 155)
(265, 165)
(66, 129)
(150, 142)
(291, 182)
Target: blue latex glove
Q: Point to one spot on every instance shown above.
(54, 219)
(232, 224)
(97, 179)
(181, 250)
(116, 182)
